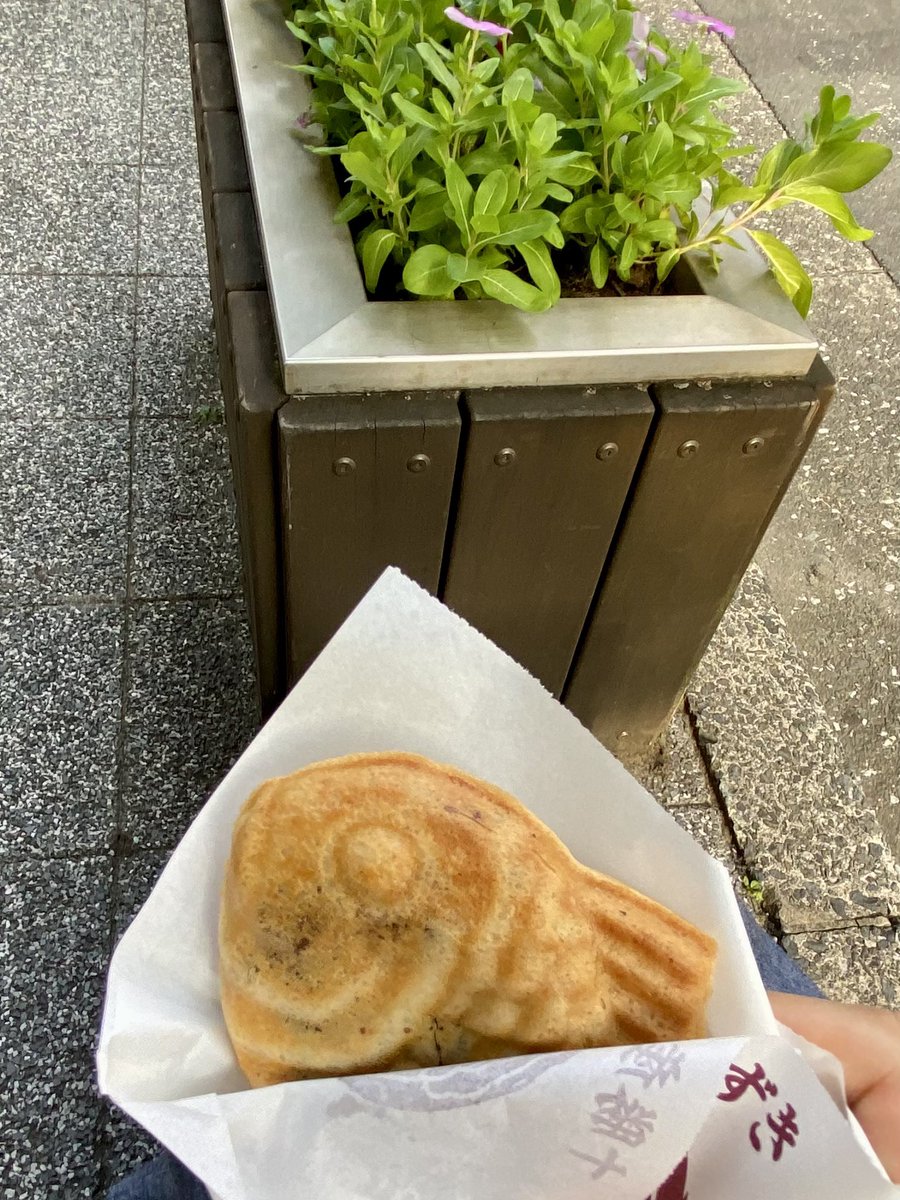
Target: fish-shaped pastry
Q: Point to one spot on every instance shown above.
(381, 911)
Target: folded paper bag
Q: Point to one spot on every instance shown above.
(739, 1114)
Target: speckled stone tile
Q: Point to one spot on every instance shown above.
(63, 508)
(136, 876)
(126, 1144)
(54, 926)
(97, 38)
(191, 711)
(177, 364)
(169, 136)
(60, 673)
(172, 240)
(72, 217)
(185, 537)
(798, 814)
(66, 115)
(832, 554)
(674, 773)
(852, 965)
(705, 825)
(66, 346)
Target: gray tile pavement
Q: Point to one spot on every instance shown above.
(124, 650)
(184, 532)
(67, 218)
(190, 709)
(64, 488)
(176, 362)
(55, 928)
(66, 346)
(60, 688)
(800, 821)
(171, 222)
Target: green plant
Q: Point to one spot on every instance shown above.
(479, 144)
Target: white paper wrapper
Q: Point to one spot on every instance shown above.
(404, 673)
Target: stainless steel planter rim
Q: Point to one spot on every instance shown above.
(331, 338)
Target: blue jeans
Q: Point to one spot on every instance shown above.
(166, 1179)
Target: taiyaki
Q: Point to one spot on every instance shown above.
(381, 912)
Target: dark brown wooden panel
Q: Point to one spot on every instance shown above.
(237, 244)
(366, 483)
(720, 459)
(212, 78)
(204, 20)
(537, 511)
(253, 397)
(222, 142)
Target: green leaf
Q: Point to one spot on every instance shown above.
(787, 269)
(425, 273)
(627, 209)
(628, 255)
(461, 195)
(665, 263)
(376, 247)
(510, 289)
(656, 85)
(573, 169)
(428, 211)
(520, 85)
(414, 113)
(540, 267)
(558, 192)
(526, 226)
(442, 105)
(738, 194)
(359, 166)
(775, 162)
(844, 167)
(599, 265)
(661, 231)
(831, 203)
(464, 270)
(351, 206)
(490, 199)
(542, 135)
(438, 68)
(485, 223)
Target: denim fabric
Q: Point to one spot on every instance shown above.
(166, 1179)
(779, 973)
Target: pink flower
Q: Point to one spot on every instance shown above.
(708, 23)
(488, 27)
(638, 48)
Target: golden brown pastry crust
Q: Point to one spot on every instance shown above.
(381, 911)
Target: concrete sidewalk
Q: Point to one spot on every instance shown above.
(126, 675)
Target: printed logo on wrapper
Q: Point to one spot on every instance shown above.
(781, 1124)
(452, 1087)
(619, 1117)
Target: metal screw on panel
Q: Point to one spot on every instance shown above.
(505, 456)
(418, 463)
(607, 450)
(753, 446)
(343, 466)
(688, 449)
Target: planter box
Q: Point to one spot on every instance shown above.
(586, 486)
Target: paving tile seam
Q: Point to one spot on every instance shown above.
(767, 907)
(82, 602)
(147, 600)
(101, 1143)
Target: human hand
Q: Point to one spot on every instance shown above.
(866, 1042)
